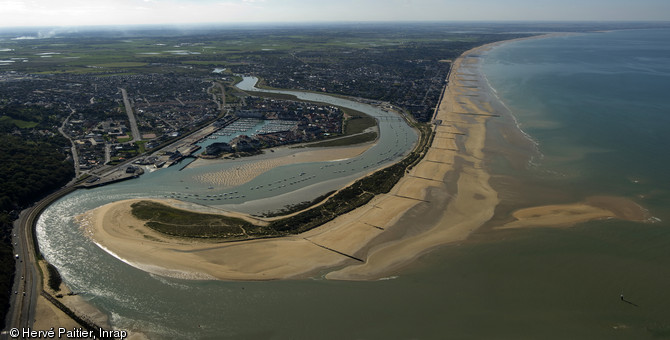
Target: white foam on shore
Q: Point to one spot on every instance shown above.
(388, 278)
(152, 269)
(536, 144)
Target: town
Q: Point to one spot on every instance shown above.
(290, 122)
(98, 102)
(112, 119)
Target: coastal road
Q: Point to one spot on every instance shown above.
(21, 313)
(131, 117)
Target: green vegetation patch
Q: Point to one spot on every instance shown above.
(141, 145)
(21, 124)
(31, 169)
(293, 208)
(206, 62)
(182, 223)
(122, 64)
(28, 117)
(6, 271)
(358, 124)
(124, 139)
(54, 277)
(346, 141)
(272, 95)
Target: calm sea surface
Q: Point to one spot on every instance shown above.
(597, 106)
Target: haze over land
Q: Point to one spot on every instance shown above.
(136, 12)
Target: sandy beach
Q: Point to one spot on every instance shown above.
(442, 200)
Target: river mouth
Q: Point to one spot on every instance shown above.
(456, 149)
(95, 272)
(116, 230)
(566, 281)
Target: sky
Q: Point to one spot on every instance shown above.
(123, 12)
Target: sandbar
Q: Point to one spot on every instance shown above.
(245, 169)
(567, 215)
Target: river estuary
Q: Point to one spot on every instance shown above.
(180, 308)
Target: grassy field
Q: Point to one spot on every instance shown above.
(88, 52)
(346, 141)
(141, 146)
(21, 124)
(124, 139)
(182, 223)
(122, 64)
(357, 122)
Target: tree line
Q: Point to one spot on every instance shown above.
(32, 165)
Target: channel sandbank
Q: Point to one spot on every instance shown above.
(242, 170)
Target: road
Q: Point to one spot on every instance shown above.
(22, 308)
(108, 153)
(222, 104)
(21, 313)
(131, 117)
(75, 156)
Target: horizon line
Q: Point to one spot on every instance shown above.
(339, 22)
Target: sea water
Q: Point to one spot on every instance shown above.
(596, 103)
(596, 106)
